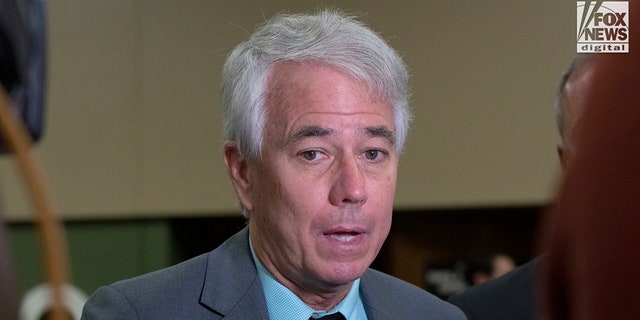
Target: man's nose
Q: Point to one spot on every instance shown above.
(349, 186)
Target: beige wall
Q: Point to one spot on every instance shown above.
(133, 124)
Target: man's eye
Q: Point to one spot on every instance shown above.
(372, 154)
(310, 155)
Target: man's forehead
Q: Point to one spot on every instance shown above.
(280, 75)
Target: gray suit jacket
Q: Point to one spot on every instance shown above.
(224, 284)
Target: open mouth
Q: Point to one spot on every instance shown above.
(343, 236)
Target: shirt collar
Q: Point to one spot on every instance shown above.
(283, 304)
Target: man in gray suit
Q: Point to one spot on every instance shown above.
(315, 118)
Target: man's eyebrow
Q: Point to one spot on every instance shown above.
(318, 131)
(382, 132)
(308, 131)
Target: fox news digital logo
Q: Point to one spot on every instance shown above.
(603, 26)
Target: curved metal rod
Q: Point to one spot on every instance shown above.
(49, 226)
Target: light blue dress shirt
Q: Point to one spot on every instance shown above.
(283, 304)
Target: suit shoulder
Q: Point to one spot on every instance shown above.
(179, 276)
(397, 298)
(508, 297)
(155, 294)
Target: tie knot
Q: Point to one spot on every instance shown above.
(333, 316)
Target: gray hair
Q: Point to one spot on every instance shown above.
(327, 37)
(560, 102)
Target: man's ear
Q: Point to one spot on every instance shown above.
(562, 155)
(237, 168)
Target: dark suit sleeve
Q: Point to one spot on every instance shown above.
(108, 303)
(508, 297)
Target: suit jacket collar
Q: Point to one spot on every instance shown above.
(232, 287)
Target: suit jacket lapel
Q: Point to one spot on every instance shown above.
(232, 287)
(375, 304)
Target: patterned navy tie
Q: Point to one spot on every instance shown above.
(333, 316)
